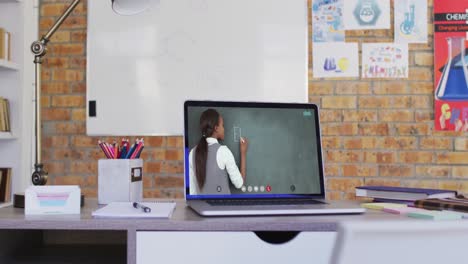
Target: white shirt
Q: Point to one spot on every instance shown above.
(225, 160)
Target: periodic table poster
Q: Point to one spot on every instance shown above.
(451, 65)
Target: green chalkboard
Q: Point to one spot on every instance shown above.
(282, 150)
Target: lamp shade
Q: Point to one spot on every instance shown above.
(130, 7)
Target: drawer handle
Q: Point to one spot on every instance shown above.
(276, 237)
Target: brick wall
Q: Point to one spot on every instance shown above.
(374, 131)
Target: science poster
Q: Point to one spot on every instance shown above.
(451, 65)
(384, 60)
(327, 21)
(410, 21)
(335, 60)
(367, 14)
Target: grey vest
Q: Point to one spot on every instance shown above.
(216, 181)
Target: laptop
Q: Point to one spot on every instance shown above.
(267, 161)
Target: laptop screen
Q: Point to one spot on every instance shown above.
(252, 150)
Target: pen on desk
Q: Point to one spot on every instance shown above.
(145, 209)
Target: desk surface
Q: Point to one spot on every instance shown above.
(183, 219)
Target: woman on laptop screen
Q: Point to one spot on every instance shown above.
(211, 164)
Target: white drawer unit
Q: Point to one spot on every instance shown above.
(231, 248)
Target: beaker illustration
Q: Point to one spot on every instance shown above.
(329, 64)
(453, 84)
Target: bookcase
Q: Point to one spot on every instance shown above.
(20, 18)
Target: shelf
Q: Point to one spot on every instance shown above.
(20, 17)
(6, 135)
(8, 65)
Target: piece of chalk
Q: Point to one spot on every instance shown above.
(242, 139)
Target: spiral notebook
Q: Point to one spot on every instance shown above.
(126, 210)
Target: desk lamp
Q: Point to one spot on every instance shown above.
(39, 49)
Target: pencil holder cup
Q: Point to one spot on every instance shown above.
(120, 180)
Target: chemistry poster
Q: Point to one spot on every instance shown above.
(384, 60)
(327, 21)
(335, 60)
(367, 14)
(410, 21)
(450, 65)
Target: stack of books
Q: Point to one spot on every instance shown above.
(402, 194)
(5, 44)
(4, 115)
(5, 185)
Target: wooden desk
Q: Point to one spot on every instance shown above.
(82, 239)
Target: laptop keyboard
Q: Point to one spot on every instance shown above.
(262, 202)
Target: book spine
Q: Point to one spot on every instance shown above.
(439, 205)
(8, 46)
(7, 115)
(8, 186)
(3, 184)
(2, 115)
(2, 44)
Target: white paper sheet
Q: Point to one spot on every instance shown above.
(126, 210)
(410, 21)
(327, 21)
(384, 60)
(335, 60)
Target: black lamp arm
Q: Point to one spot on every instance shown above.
(39, 49)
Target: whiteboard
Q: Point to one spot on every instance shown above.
(141, 68)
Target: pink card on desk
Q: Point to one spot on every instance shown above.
(401, 210)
